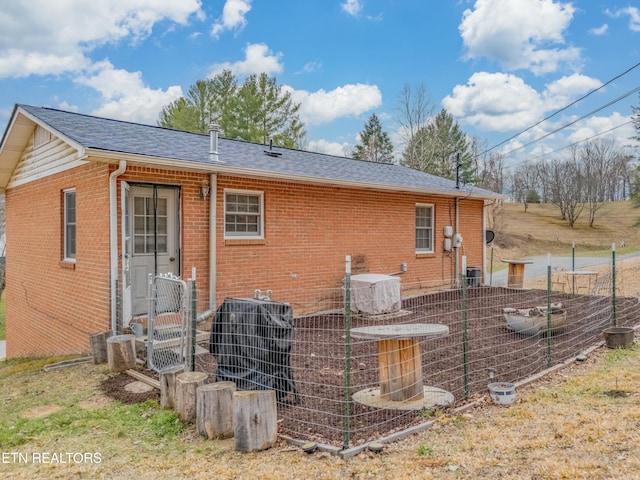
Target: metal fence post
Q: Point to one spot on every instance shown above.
(573, 267)
(347, 367)
(613, 283)
(465, 335)
(151, 315)
(549, 357)
(193, 317)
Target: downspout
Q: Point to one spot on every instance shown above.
(113, 241)
(214, 130)
(484, 241)
(213, 195)
(457, 280)
(484, 237)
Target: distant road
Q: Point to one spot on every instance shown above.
(539, 266)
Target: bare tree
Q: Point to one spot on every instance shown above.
(601, 161)
(491, 174)
(567, 183)
(415, 108)
(524, 179)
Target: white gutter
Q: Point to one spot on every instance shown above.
(213, 194)
(113, 241)
(222, 169)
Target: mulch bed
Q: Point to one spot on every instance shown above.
(318, 358)
(114, 387)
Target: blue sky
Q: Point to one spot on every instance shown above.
(498, 66)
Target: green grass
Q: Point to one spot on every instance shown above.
(425, 450)
(27, 388)
(145, 420)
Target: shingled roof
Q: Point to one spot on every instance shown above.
(95, 134)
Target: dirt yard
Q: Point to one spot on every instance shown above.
(317, 359)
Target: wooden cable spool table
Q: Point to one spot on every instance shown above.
(516, 272)
(400, 366)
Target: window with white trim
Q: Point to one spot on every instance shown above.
(424, 228)
(243, 214)
(70, 224)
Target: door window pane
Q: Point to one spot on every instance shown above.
(146, 220)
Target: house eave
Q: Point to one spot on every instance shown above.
(221, 168)
(15, 138)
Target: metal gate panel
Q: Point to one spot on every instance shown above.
(168, 321)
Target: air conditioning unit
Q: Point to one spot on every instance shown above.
(375, 294)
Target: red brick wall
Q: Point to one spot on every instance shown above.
(52, 307)
(310, 229)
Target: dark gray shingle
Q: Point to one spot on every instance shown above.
(132, 138)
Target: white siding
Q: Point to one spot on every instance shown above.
(51, 157)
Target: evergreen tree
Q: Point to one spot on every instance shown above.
(375, 144)
(439, 144)
(263, 112)
(257, 111)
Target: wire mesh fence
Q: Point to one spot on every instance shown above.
(169, 322)
(339, 387)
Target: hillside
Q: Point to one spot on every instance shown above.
(541, 230)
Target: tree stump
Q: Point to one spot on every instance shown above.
(214, 410)
(121, 353)
(98, 347)
(168, 385)
(187, 384)
(255, 419)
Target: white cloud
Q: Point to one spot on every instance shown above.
(325, 106)
(258, 58)
(632, 12)
(593, 126)
(352, 7)
(233, 16)
(20, 63)
(64, 105)
(310, 67)
(494, 102)
(62, 33)
(330, 148)
(124, 94)
(563, 91)
(601, 30)
(504, 102)
(519, 34)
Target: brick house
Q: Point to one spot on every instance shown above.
(245, 215)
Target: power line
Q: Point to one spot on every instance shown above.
(563, 108)
(622, 97)
(580, 141)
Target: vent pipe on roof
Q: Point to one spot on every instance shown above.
(270, 152)
(214, 128)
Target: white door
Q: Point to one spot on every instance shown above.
(126, 252)
(154, 220)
